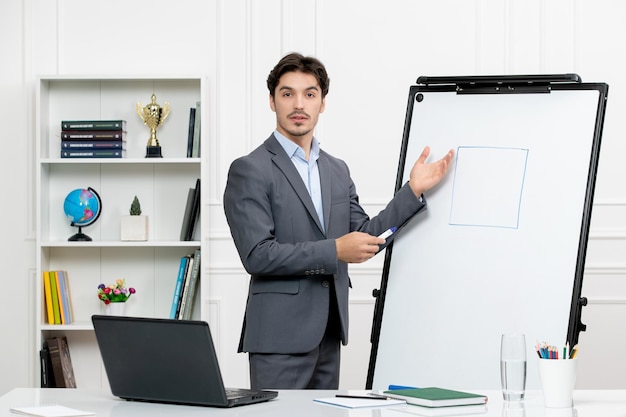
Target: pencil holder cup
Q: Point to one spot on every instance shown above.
(558, 377)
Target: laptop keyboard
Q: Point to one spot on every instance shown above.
(236, 393)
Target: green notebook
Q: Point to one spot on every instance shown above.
(436, 397)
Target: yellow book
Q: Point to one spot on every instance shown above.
(54, 298)
(48, 293)
(57, 281)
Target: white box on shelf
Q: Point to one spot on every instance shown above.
(134, 228)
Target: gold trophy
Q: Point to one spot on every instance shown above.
(153, 116)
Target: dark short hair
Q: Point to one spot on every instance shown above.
(297, 62)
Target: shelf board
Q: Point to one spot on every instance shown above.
(120, 244)
(79, 325)
(121, 77)
(120, 161)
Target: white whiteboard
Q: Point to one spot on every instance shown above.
(496, 251)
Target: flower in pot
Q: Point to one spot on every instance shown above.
(135, 225)
(114, 297)
(115, 293)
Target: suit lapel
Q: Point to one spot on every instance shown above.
(325, 180)
(284, 164)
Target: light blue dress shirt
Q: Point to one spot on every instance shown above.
(308, 170)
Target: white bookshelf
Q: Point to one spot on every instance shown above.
(161, 184)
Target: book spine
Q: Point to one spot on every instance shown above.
(54, 296)
(55, 360)
(47, 377)
(66, 364)
(92, 144)
(70, 309)
(193, 283)
(178, 287)
(195, 212)
(187, 215)
(96, 153)
(61, 296)
(65, 296)
(196, 133)
(48, 296)
(183, 294)
(93, 125)
(93, 135)
(192, 122)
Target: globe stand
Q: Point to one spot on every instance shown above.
(80, 236)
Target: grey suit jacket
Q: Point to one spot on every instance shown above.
(283, 247)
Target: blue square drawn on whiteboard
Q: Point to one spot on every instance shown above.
(487, 187)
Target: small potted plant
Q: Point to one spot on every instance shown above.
(134, 226)
(114, 297)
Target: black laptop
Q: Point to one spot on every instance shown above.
(166, 361)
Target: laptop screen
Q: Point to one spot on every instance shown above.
(160, 360)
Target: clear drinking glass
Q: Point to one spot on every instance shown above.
(513, 366)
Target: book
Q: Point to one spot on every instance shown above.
(66, 363)
(54, 297)
(93, 135)
(55, 362)
(178, 287)
(47, 377)
(69, 296)
(192, 212)
(195, 152)
(195, 211)
(359, 401)
(192, 123)
(61, 362)
(63, 280)
(183, 294)
(48, 297)
(94, 125)
(50, 411)
(193, 284)
(60, 296)
(436, 397)
(185, 280)
(93, 144)
(187, 215)
(93, 153)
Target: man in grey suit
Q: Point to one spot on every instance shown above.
(296, 221)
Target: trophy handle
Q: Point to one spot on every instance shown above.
(166, 111)
(139, 109)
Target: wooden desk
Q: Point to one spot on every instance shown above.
(588, 403)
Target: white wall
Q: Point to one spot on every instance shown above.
(373, 51)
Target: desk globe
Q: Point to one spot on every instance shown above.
(82, 207)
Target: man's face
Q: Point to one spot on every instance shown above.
(297, 103)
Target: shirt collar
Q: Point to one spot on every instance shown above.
(292, 149)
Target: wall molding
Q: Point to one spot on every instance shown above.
(235, 268)
(607, 234)
(605, 268)
(605, 301)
